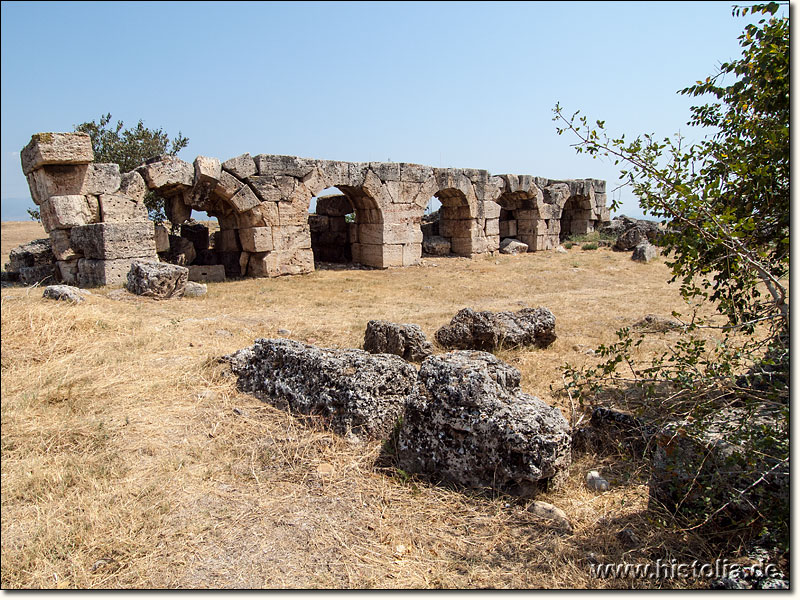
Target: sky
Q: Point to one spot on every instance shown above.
(449, 84)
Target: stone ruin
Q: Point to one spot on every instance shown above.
(97, 221)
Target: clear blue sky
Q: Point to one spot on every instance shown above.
(443, 84)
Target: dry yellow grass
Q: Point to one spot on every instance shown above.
(129, 459)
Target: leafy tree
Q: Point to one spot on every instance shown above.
(725, 200)
(129, 148)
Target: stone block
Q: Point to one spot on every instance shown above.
(436, 245)
(56, 180)
(256, 239)
(265, 188)
(56, 149)
(176, 209)
(244, 200)
(181, 251)
(133, 186)
(227, 186)
(512, 246)
(456, 227)
(207, 170)
(263, 215)
(61, 245)
(334, 206)
(386, 171)
(95, 273)
(508, 228)
(68, 271)
(412, 253)
(291, 237)
(274, 264)
(294, 166)
(415, 173)
(227, 240)
(167, 174)
(492, 227)
(241, 166)
(197, 233)
(207, 273)
(491, 210)
(64, 212)
(38, 274)
(161, 238)
(318, 223)
(111, 241)
(156, 280)
(244, 260)
(102, 178)
(115, 208)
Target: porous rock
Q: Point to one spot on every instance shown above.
(406, 340)
(636, 233)
(157, 280)
(35, 253)
(63, 292)
(193, 289)
(644, 252)
(436, 245)
(354, 392)
(512, 246)
(472, 425)
(485, 330)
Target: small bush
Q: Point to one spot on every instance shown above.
(568, 245)
(589, 246)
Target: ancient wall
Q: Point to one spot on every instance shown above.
(97, 220)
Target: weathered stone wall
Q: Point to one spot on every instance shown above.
(262, 205)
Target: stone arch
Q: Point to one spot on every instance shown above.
(576, 216)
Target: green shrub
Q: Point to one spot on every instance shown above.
(589, 246)
(568, 245)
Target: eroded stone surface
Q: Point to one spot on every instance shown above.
(63, 292)
(157, 280)
(471, 424)
(351, 391)
(485, 330)
(406, 340)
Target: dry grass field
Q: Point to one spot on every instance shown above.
(130, 460)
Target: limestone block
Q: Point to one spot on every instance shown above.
(68, 271)
(102, 178)
(241, 166)
(386, 171)
(244, 199)
(263, 215)
(196, 233)
(256, 239)
(291, 237)
(226, 240)
(207, 170)
(37, 274)
(412, 253)
(436, 245)
(161, 238)
(491, 210)
(456, 212)
(56, 180)
(271, 164)
(64, 212)
(181, 251)
(492, 243)
(61, 245)
(111, 241)
(334, 206)
(508, 228)
(463, 246)
(133, 186)
(274, 264)
(292, 213)
(95, 273)
(266, 188)
(167, 173)
(119, 209)
(512, 246)
(56, 149)
(415, 173)
(176, 209)
(492, 227)
(456, 227)
(227, 186)
(382, 256)
(208, 273)
(156, 280)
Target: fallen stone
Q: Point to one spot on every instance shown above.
(644, 252)
(436, 245)
(157, 280)
(549, 512)
(56, 149)
(193, 289)
(37, 274)
(512, 246)
(181, 251)
(33, 254)
(406, 340)
(595, 482)
(640, 231)
(63, 292)
(484, 330)
(351, 391)
(561, 250)
(472, 425)
(197, 233)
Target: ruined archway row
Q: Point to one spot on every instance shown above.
(262, 202)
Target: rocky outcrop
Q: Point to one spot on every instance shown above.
(157, 280)
(352, 391)
(484, 330)
(471, 424)
(406, 340)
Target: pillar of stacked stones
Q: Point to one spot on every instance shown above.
(97, 220)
